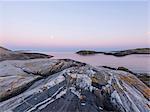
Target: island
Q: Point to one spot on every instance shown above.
(65, 85)
(116, 53)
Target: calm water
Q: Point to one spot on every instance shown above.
(136, 63)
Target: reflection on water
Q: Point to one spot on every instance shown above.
(137, 63)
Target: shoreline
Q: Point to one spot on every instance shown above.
(47, 83)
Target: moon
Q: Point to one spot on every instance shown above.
(52, 37)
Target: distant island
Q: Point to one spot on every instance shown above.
(117, 53)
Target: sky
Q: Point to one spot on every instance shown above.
(74, 25)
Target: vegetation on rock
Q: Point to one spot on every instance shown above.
(117, 53)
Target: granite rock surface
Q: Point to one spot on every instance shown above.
(64, 85)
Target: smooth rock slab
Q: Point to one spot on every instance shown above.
(17, 76)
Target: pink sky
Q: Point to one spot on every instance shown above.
(74, 25)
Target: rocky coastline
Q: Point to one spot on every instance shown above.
(65, 85)
(6, 54)
(144, 77)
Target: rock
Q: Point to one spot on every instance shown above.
(16, 76)
(124, 69)
(144, 77)
(70, 86)
(109, 67)
(6, 54)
